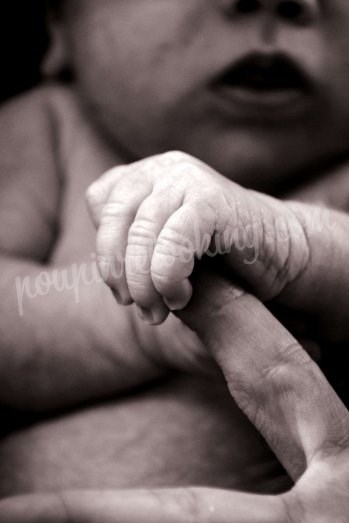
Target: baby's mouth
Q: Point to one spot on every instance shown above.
(263, 82)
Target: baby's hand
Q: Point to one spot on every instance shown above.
(157, 216)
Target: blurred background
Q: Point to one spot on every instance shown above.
(23, 40)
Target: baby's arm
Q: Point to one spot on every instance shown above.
(53, 351)
(181, 209)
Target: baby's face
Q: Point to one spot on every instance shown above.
(256, 88)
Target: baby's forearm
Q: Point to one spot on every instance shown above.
(63, 338)
(322, 288)
(297, 256)
(294, 253)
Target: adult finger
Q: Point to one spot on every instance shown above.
(270, 376)
(148, 506)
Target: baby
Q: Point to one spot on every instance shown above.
(254, 95)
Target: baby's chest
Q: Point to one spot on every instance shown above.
(82, 156)
(77, 234)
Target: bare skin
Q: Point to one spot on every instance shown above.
(49, 449)
(293, 400)
(48, 384)
(150, 238)
(51, 454)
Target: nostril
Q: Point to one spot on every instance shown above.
(247, 6)
(293, 11)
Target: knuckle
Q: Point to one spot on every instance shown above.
(280, 378)
(141, 233)
(175, 156)
(281, 374)
(189, 506)
(293, 509)
(163, 281)
(112, 211)
(186, 170)
(173, 241)
(94, 194)
(180, 163)
(99, 189)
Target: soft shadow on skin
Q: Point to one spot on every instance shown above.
(183, 432)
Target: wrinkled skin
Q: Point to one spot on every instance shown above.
(292, 400)
(181, 115)
(156, 217)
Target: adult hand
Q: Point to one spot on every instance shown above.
(284, 394)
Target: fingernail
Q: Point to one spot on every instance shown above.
(150, 317)
(180, 298)
(122, 300)
(175, 305)
(146, 315)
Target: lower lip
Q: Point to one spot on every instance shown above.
(269, 105)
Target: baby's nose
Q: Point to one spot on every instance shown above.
(299, 12)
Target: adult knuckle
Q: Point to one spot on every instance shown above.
(189, 505)
(283, 367)
(275, 373)
(138, 289)
(294, 511)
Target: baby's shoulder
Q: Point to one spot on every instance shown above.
(38, 119)
(30, 180)
(30, 126)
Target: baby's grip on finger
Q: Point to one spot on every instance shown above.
(187, 235)
(143, 234)
(116, 218)
(99, 191)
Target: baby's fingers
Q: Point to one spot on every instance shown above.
(152, 215)
(99, 192)
(187, 235)
(116, 218)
